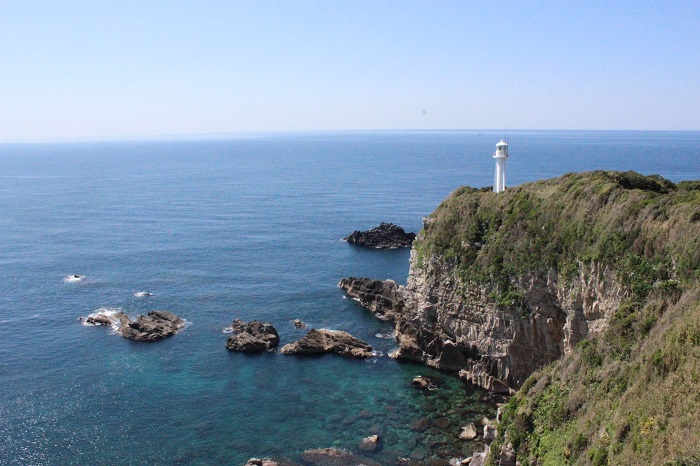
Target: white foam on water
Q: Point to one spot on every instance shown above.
(108, 312)
(73, 278)
(385, 336)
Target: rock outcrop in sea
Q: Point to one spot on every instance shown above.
(382, 297)
(252, 337)
(154, 326)
(271, 462)
(386, 235)
(329, 341)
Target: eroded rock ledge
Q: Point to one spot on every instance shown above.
(494, 346)
(329, 341)
(252, 337)
(386, 235)
(383, 298)
(154, 326)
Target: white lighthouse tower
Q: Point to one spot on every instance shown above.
(501, 155)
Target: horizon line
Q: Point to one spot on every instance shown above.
(256, 134)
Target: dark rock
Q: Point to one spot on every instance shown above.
(329, 341)
(451, 358)
(386, 235)
(152, 327)
(489, 434)
(435, 444)
(334, 457)
(442, 423)
(484, 421)
(100, 319)
(507, 456)
(420, 425)
(299, 324)
(383, 298)
(369, 444)
(422, 381)
(478, 459)
(252, 337)
(271, 462)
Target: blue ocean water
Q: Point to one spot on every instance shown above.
(238, 227)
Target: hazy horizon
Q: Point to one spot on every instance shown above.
(104, 70)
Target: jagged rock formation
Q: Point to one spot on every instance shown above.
(382, 298)
(329, 341)
(152, 327)
(98, 319)
(252, 337)
(386, 235)
(503, 284)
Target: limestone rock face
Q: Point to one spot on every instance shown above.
(252, 337)
(383, 298)
(497, 347)
(329, 341)
(386, 235)
(152, 327)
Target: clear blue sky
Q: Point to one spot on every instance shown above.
(104, 69)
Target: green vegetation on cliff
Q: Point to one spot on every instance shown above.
(630, 394)
(600, 405)
(644, 227)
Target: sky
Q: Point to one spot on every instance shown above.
(130, 69)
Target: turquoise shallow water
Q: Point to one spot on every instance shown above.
(244, 228)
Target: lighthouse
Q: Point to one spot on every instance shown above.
(501, 155)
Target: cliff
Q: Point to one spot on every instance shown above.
(597, 273)
(630, 395)
(503, 284)
(580, 295)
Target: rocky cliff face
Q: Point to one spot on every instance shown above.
(501, 285)
(497, 346)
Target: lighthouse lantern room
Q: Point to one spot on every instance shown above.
(501, 155)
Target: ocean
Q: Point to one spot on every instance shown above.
(247, 227)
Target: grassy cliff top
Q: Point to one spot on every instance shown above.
(644, 224)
